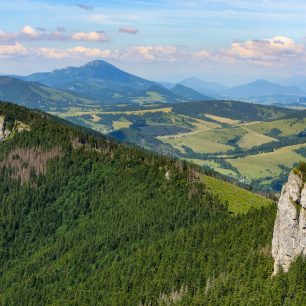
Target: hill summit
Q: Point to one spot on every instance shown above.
(95, 70)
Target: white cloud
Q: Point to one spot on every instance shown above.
(89, 52)
(90, 36)
(29, 32)
(75, 52)
(276, 51)
(49, 53)
(138, 53)
(152, 53)
(279, 51)
(13, 50)
(5, 36)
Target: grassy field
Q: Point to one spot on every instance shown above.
(239, 200)
(267, 165)
(198, 141)
(200, 124)
(216, 166)
(121, 124)
(80, 112)
(215, 139)
(222, 119)
(203, 136)
(151, 97)
(253, 138)
(287, 127)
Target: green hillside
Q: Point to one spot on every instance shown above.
(220, 134)
(239, 200)
(87, 221)
(35, 95)
(231, 109)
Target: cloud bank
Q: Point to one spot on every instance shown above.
(28, 33)
(276, 51)
(279, 51)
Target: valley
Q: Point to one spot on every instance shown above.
(256, 150)
(255, 144)
(86, 220)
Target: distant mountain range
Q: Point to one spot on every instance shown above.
(261, 88)
(261, 91)
(99, 83)
(298, 80)
(106, 84)
(203, 87)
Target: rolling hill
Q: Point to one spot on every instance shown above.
(157, 94)
(218, 134)
(261, 88)
(206, 88)
(35, 95)
(87, 221)
(231, 109)
(188, 93)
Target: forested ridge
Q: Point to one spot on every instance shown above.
(87, 221)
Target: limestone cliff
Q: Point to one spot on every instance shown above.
(15, 126)
(1, 128)
(289, 237)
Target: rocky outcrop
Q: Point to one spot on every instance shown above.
(6, 132)
(289, 236)
(1, 128)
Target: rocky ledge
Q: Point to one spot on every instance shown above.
(289, 236)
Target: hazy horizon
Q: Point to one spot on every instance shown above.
(230, 42)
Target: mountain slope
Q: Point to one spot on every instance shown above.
(97, 80)
(202, 86)
(231, 109)
(188, 93)
(260, 88)
(95, 70)
(239, 199)
(87, 221)
(103, 82)
(298, 81)
(35, 95)
(155, 94)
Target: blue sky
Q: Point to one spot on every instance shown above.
(227, 41)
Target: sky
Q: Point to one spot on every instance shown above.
(229, 41)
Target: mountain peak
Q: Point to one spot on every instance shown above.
(201, 86)
(98, 63)
(262, 81)
(92, 80)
